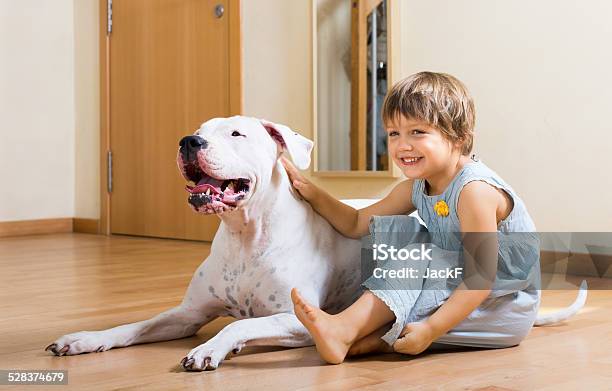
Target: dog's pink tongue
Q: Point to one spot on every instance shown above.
(204, 184)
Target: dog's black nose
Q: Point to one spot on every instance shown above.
(190, 146)
(193, 143)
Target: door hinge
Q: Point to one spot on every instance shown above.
(109, 171)
(109, 13)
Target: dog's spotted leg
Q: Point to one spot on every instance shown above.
(276, 330)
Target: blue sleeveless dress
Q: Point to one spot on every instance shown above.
(507, 315)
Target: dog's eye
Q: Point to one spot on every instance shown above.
(236, 133)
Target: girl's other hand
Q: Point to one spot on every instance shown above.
(414, 339)
(303, 186)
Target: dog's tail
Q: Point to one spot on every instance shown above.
(566, 313)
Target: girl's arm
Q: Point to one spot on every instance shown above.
(345, 219)
(477, 208)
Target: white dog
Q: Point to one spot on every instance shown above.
(269, 241)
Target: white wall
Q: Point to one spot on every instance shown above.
(540, 75)
(37, 176)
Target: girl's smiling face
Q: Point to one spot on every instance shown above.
(418, 149)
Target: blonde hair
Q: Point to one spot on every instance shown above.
(439, 99)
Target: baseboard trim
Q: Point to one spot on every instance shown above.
(86, 226)
(577, 264)
(48, 226)
(35, 227)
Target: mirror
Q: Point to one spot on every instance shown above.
(350, 40)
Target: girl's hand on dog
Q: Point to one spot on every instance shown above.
(414, 339)
(303, 186)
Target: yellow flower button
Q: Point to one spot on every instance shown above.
(441, 208)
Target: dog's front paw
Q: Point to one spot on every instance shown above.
(205, 357)
(81, 342)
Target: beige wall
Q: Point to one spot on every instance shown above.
(87, 109)
(278, 78)
(276, 61)
(540, 75)
(536, 69)
(277, 86)
(37, 111)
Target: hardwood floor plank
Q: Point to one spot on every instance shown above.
(56, 284)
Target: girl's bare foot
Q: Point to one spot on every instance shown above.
(371, 343)
(328, 331)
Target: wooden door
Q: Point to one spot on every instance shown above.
(169, 69)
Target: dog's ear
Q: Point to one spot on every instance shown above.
(298, 146)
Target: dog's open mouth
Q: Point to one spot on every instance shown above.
(213, 195)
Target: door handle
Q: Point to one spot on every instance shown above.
(219, 10)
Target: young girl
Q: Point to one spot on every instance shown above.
(430, 119)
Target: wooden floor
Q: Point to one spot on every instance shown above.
(51, 285)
